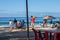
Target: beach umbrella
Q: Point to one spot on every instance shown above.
(49, 17)
(27, 19)
(34, 16)
(45, 17)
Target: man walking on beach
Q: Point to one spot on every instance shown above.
(32, 19)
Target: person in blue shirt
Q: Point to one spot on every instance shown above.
(15, 23)
(23, 24)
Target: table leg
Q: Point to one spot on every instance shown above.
(50, 35)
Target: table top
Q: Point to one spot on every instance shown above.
(48, 29)
(52, 31)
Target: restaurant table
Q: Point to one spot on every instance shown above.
(50, 31)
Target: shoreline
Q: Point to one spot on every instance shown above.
(7, 29)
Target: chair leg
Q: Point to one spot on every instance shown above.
(55, 36)
(46, 35)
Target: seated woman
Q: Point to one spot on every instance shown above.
(11, 24)
(18, 24)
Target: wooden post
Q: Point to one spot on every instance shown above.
(27, 18)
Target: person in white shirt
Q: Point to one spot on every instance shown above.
(11, 24)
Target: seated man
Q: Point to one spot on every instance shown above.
(23, 24)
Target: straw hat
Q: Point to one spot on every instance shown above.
(48, 17)
(34, 16)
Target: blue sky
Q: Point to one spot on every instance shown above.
(12, 8)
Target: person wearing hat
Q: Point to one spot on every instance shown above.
(32, 19)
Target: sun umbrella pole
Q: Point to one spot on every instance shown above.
(27, 19)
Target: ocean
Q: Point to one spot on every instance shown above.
(5, 20)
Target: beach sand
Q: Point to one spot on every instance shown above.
(18, 34)
(7, 34)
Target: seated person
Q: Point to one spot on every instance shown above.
(58, 23)
(52, 25)
(23, 24)
(15, 21)
(18, 24)
(15, 25)
(11, 24)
